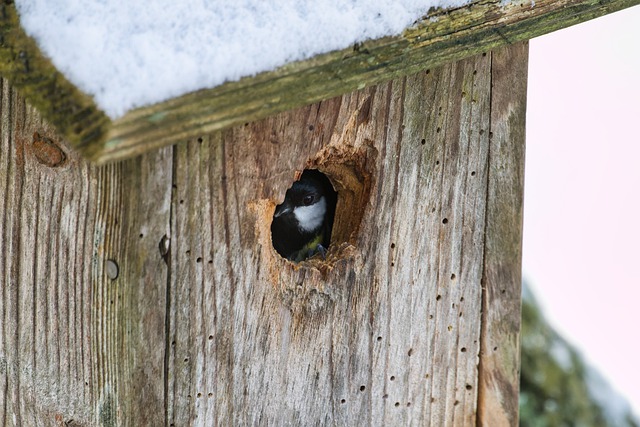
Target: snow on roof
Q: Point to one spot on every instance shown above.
(131, 53)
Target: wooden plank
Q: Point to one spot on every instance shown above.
(45, 348)
(438, 38)
(77, 346)
(387, 330)
(502, 278)
(129, 279)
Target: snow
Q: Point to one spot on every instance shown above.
(131, 53)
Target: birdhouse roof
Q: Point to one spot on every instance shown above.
(118, 78)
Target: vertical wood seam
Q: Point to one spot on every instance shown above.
(483, 293)
(167, 261)
(19, 187)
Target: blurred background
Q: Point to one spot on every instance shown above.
(581, 251)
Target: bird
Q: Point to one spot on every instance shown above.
(302, 223)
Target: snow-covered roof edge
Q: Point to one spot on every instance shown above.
(439, 37)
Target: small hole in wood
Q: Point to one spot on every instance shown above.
(397, 404)
(410, 352)
(199, 395)
(473, 173)
(343, 401)
(362, 388)
(463, 349)
(453, 276)
(423, 141)
(393, 245)
(209, 394)
(438, 297)
(445, 220)
(311, 127)
(385, 396)
(408, 404)
(392, 378)
(379, 339)
(468, 387)
(210, 337)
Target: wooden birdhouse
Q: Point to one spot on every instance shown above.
(140, 285)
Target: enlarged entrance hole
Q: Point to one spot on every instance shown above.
(321, 213)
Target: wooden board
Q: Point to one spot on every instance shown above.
(82, 313)
(502, 276)
(148, 292)
(440, 37)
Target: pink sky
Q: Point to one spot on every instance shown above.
(582, 208)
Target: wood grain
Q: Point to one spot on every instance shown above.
(389, 333)
(439, 37)
(78, 346)
(502, 277)
(147, 292)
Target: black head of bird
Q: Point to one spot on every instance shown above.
(302, 224)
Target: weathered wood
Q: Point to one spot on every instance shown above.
(76, 345)
(502, 277)
(390, 333)
(438, 38)
(148, 292)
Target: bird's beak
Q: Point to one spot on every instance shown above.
(282, 209)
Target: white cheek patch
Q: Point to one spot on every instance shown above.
(310, 217)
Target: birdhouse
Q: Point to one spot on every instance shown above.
(141, 285)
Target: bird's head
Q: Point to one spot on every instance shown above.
(305, 204)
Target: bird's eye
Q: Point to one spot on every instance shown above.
(308, 199)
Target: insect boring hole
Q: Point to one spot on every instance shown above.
(319, 214)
